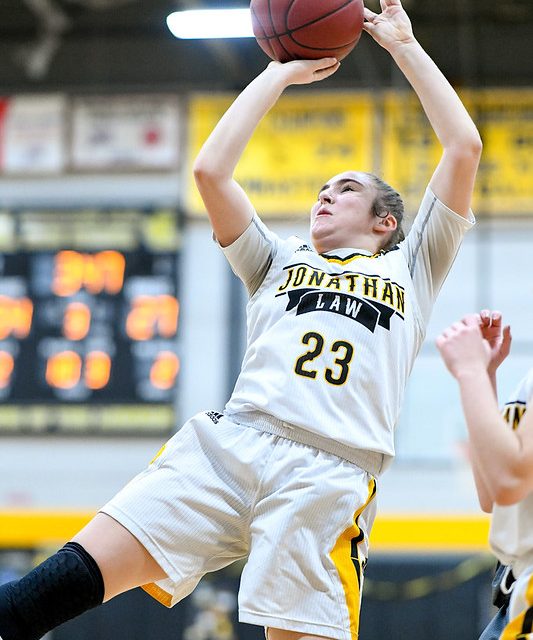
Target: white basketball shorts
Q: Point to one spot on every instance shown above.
(219, 492)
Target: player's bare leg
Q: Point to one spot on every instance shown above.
(101, 561)
(282, 634)
(122, 559)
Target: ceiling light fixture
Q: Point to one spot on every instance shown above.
(211, 23)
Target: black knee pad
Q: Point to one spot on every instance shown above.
(63, 586)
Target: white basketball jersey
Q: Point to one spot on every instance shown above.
(331, 338)
(511, 533)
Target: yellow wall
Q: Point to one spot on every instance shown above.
(398, 533)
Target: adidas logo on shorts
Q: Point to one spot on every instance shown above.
(215, 417)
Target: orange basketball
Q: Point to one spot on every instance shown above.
(294, 29)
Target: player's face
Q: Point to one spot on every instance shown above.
(342, 216)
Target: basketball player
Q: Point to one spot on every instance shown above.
(502, 460)
(286, 476)
(499, 340)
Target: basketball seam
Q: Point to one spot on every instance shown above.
(276, 35)
(289, 32)
(306, 46)
(286, 16)
(266, 40)
(333, 48)
(264, 37)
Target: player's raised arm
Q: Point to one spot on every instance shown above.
(229, 208)
(498, 338)
(504, 456)
(453, 180)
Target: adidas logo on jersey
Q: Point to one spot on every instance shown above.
(304, 247)
(214, 415)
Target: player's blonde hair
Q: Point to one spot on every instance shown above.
(388, 200)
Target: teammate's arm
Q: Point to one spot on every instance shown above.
(499, 340)
(504, 457)
(229, 208)
(453, 179)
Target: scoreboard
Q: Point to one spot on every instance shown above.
(89, 316)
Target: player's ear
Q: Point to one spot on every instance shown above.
(385, 224)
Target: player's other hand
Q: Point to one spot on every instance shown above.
(497, 335)
(463, 348)
(391, 28)
(304, 71)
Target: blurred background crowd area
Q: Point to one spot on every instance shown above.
(119, 318)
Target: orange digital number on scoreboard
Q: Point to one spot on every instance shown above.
(152, 314)
(97, 369)
(15, 317)
(165, 370)
(7, 364)
(64, 369)
(97, 273)
(76, 321)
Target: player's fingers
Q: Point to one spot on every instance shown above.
(389, 3)
(449, 332)
(506, 336)
(322, 63)
(471, 320)
(454, 329)
(496, 319)
(324, 72)
(484, 315)
(369, 15)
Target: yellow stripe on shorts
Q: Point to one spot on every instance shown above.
(345, 556)
(158, 453)
(521, 627)
(159, 594)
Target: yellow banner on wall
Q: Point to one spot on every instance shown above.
(304, 141)
(410, 150)
(505, 178)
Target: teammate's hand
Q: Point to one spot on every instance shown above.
(305, 71)
(463, 348)
(498, 337)
(390, 28)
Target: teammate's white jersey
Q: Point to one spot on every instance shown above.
(331, 338)
(511, 532)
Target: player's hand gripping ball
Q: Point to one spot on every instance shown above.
(295, 29)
